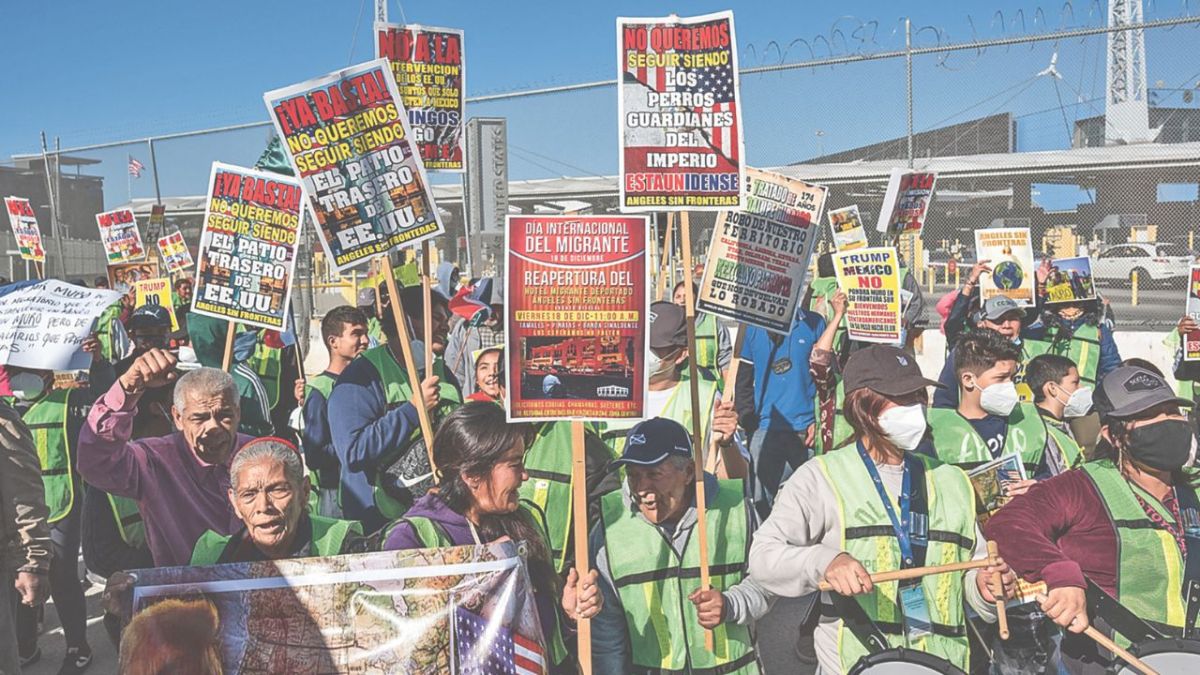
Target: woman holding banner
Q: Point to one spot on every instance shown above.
(888, 509)
(480, 460)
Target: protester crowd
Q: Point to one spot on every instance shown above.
(827, 461)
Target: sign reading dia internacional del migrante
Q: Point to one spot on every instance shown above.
(248, 247)
(576, 317)
(429, 65)
(681, 128)
(349, 141)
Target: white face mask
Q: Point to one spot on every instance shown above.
(655, 365)
(999, 398)
(26, 386)
(904, 425)
(1078, 403)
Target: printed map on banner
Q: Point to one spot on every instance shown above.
(349, 141)
(121, 278)
(576, 317)
(906, 203)
(155, 292)
(120, 235)
(1010, 253)
(848, 230)
(1191, 341)
(429, 65)
(25, 229)
(174, 251)
(466, 609)
(43, 323)
(678, 101)
(248, 247)
(1070, 280)
(759, 256)
(870, 278)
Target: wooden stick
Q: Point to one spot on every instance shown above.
(227, 359)
(427, 318)
(1106, 642)
(685, 242)
(580, 525)
(914, 572)
(41, 272)
(727, 394)
(997, 584)
(410, 367)
(374, 281)
(665, 257)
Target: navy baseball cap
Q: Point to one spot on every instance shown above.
(653, 441)
(149, 316)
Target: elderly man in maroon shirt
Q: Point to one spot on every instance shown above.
(1126, 520)
(180, 481)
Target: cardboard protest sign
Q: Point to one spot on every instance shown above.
(429, 66)
(174, 251)
(759, 256)
(120, 235)
(906, 203)
(464, 609)
(1070, 280)
(1010, 254)
(155, 292)
(1191, 341)
(848, 230)
(121, 278)
(44, 323)
(158, 217)
(576, 317)
(348, 139)
(25, 229)
(248, 247)
(680, 115)
(870, 278)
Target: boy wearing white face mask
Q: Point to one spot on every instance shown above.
(1060, 397)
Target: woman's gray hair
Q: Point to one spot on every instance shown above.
(206, 382)
(268, 450)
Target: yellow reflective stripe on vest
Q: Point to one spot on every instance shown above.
(47, 422)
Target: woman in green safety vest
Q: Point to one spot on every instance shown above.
(1126, 524)
(480, 462)
(873, 506)
(269, 493)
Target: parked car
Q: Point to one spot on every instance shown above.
(1160, 262)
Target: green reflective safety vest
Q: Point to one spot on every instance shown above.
(397, 392)
(47, 422)
(707, 340)
(267, 362)
(678, 408)
(328, 538)
(375, 330)
(1150, 567)
(104, 331)
(129, 521)
(1083, 348)
(957, 442)
(1072, 453)
(841, 428)
(825, 289)
(654, 583)
(868, 536)
(548, 463)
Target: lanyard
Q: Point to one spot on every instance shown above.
(902, 525)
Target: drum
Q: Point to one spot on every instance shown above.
(901, 661)
(1170, 655)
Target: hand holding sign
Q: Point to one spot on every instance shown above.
(155, 368)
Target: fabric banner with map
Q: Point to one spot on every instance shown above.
(467, 609)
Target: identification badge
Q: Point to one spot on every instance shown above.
(916, 613)
(781, 366)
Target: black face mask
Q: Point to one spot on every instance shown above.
(1165, 445)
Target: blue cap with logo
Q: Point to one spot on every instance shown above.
(653, 441)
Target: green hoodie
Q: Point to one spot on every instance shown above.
(208, 340)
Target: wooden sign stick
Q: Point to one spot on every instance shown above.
(427, 318)
(997, 584)
(665, 258)
(227, 359)
(727, 394)
(580, 525)
(410, 367)
(914, 572)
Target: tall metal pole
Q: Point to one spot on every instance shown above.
(908, 56)
(154, 170)
(50, 201)
(58, 199)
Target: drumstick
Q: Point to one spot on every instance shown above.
(997, 583)
(1104, 641)
(914, 572)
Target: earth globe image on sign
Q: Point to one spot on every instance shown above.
(1008, 275)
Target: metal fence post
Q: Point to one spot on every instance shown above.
(908, 66)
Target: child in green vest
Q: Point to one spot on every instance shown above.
(1060, 397)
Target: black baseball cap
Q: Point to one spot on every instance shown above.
(149, 316)
(999, 305)
(885, 369)
(1129, 390)
(653, 441)
(366, 297)
(668, 325)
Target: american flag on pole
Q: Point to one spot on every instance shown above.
(485, 648)
(135, 167)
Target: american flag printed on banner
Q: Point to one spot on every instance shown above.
(484, 649)
(135, 167)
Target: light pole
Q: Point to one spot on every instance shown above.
(820, 134)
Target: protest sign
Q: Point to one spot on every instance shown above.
(158, 217)
(1191, 341)
(848, 230)
(43, 323)
(466, 609)
(906, 203)
(174, 251)
(680, 115)
(248, 247)
(1010, 255)
(429, 66)
(576, 317)
(120, 235)
(155, 292)
(870, 278)
(1070, 280)
(121, 278)
(759, 256)
(25, 229)
(348, 139)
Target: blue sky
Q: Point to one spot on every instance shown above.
(103, 71)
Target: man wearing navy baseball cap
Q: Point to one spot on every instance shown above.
(644, 548)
